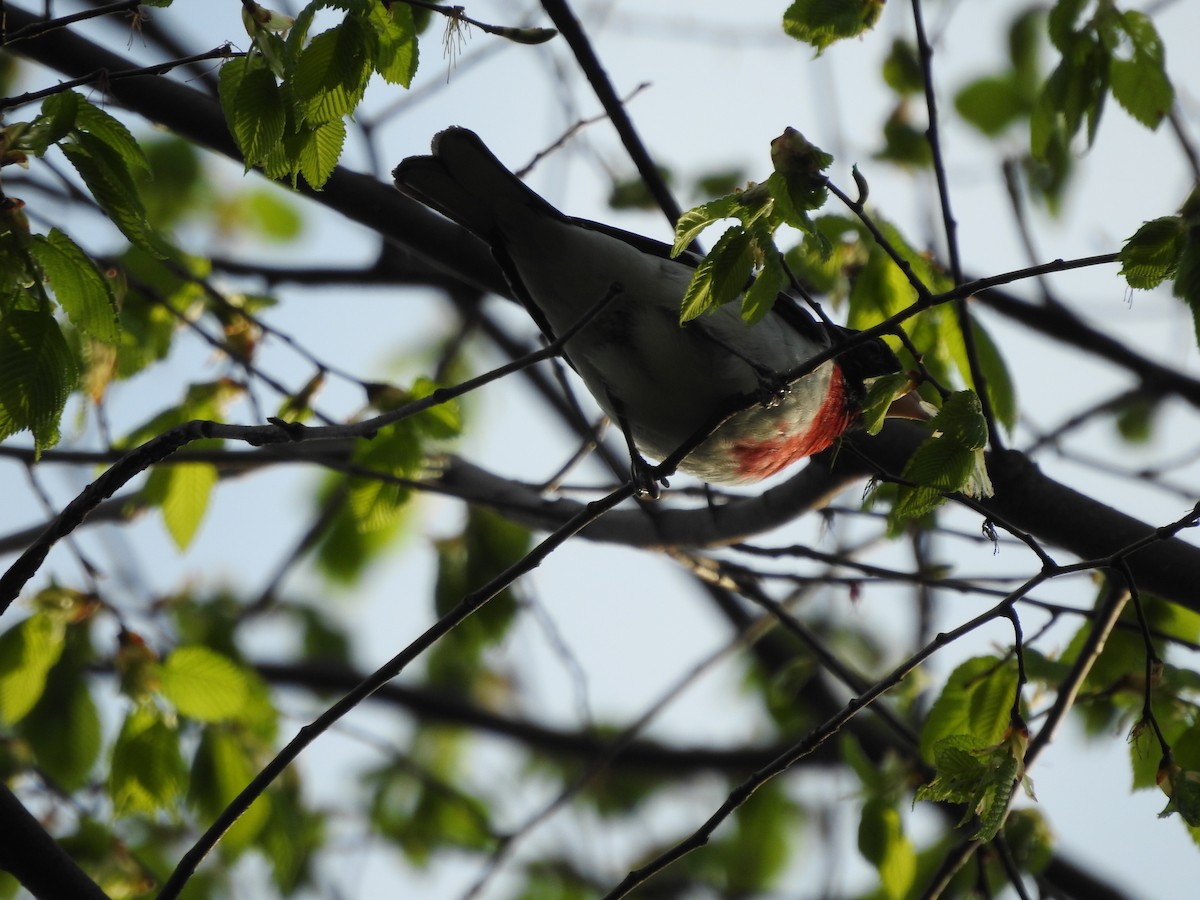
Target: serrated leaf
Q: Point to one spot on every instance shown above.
(318, 152)
(820, 23)
(760, 297)
(795, 196)
(84, 294)
(331, 73)
(1151, 255)
(961, 419)
(258, 114)
(914, 502)
(203, 684)
(37, 374)
(55, 122)
(1140, 83)
(396, 59)
(694, 221)
(107, 177)
(147, 773)
(721, 275)
(881, 393)
(113, 134)
(940, 463)
(975, 702)
(994, 800)
(27, 653)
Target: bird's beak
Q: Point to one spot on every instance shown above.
(910, 406)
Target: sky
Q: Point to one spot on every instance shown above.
(720, 87)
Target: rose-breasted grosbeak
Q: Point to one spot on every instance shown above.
(660, 381)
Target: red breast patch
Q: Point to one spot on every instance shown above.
(761, 459)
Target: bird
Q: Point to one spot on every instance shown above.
(661, 381)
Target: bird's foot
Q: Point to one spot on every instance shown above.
(771, 389)
(646, 480)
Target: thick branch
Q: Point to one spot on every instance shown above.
(35, 859)
(1025, 497)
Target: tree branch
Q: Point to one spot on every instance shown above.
(35, 859)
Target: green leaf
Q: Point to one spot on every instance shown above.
(292, 837)
(820, 23)
(992, 103)
(993, 802)
(84, 294)
(221, 769)
(902, 69)
(27, 653)
(1000, 387)
(396, 59)
(1187, 277)
(147, 773)
(904, 142)
(1047, 124)
(881, 393)
(794, 197)
(271, 214)
(114, 135)
(317, 150)
(760, 297)
(55, 121)
(976, 703)
(377, 503)
(420, 819)
(694, 221)
(940, 463)
(106, 175)
(1062, 19)
(961, 419)
(914, 502)
(443, 421)
(37, 374)
(752, 858)
(882, 841)
(183, 496)
(880, 289)
(488, 545)
(1135, 419)
(721, 275)
(254, 109)
(1151, 255)
(203, 684)
(64, 727)
(1140, 83)
(331, 74)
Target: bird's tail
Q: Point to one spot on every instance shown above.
(465, 182)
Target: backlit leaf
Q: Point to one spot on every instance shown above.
(84, 294)
(203, 684)
(37, 374)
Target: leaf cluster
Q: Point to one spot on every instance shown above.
(287, 101)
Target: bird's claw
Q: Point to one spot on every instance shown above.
(771, 390)
(645, 480)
